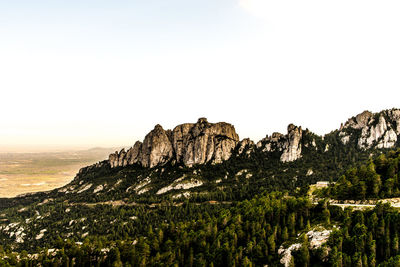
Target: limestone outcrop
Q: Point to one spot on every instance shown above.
(123, 158)
(189, 143)
(289, 145)
(272, 143)
(246, 145)
(292, 146)
(156, 148)
(133, 154)
(378, 130)
(203, 142)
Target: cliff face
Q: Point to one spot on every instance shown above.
(156, 148)
(289, 144)
(203, 142)
(187, 143)
(292, 145)
(378, 130)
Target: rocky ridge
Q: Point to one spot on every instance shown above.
(189, 143)
(379, 130)
(203, 142)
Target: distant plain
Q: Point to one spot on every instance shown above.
(32, 172)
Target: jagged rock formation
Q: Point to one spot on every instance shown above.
(292, 146)
(187, 143)
(378, 130)
(156, 148)
(246, 144)
(271, 143)
(123, 158)
(289, 144)
(202, 142)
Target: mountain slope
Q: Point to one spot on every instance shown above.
(203, 163)
(277, 162)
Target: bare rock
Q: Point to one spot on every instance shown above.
(189, 143)
(272, 143)
(377, 130)
(204, 142)
(180, 136)
(122, 158)
(113, 159)
(344, 137)
(287, 253)
(318, 238)
(246, 143)
(289, 144)
(363, 119)
(156, 148)
(359, 121)
(378, 134)
(133, 154)
(292, 146)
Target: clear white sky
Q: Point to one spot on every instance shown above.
(103, 73)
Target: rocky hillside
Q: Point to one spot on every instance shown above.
(193, 163)
(206, 160)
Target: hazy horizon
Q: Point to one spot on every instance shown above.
(100, 73)
(51, 148)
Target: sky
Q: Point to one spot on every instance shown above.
(84, 73)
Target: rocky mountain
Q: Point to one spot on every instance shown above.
(206, 160)
(198, 162)
(188, 143)
(372, 130)
(200, 143)
(204, 142)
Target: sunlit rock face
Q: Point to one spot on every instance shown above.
(378, 130)
(189, 143)
(292, 146)
(123, 158)
(156, 148)
(204, 142)
(289, 145)
(246, 144)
